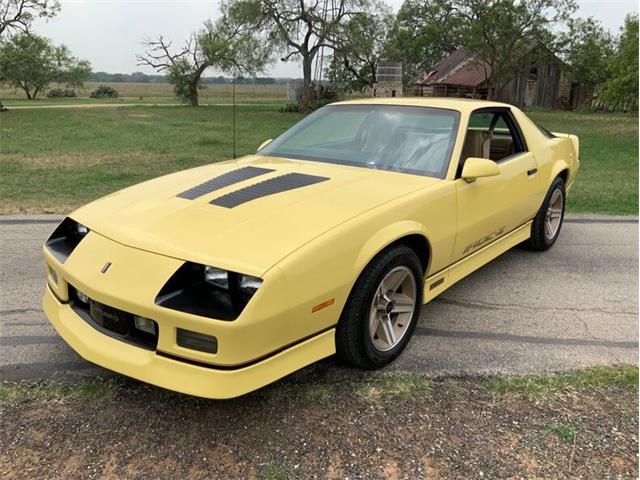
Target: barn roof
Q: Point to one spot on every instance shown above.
(459, 68)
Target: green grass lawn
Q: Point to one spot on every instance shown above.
(52, 160)
(608, 178)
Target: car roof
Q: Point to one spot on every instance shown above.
(460, 104)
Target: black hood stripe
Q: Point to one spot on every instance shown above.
(224, 180)
(290, 181)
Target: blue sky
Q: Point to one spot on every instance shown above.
(109, 33)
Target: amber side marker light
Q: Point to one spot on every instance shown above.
(197, 341)
(322, 305)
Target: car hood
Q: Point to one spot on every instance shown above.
(254, 235)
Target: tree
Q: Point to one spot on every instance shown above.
(184, 68)
(622, 87)
(586, 46)
(359, 47)
(418, 38)
(226, 45)
(498, 34)
(31, 63)
(299, 28)
(17, 15)
(502, 33)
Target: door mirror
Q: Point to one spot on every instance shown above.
(478, 168)
(264, 144)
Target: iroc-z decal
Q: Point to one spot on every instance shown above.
(484, 240)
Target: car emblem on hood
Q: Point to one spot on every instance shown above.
(105, 267)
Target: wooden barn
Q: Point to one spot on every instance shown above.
(543, 81)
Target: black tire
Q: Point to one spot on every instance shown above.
(353, 342)
(539, 240)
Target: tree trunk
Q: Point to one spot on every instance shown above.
(26, 90)
(193, 86)
(490, 91)
(307, 61)
(193, 97)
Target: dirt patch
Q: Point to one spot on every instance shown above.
(285, 431)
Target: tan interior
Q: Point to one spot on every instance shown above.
(486, 145)
(501, 147)
(477, 144)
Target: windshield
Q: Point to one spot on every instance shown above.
(414, 140)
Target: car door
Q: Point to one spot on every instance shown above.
(493, 206)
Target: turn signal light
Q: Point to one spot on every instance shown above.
(197, 341)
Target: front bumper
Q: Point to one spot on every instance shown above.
(181, 376)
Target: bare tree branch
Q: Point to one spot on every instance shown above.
(17, 15)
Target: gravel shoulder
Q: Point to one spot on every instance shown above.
(329, 425)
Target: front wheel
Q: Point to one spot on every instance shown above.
(382, 310)
(548, 221)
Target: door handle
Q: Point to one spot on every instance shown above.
(533, 171)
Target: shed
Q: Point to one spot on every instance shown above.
(543, 80)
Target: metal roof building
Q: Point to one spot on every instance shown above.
(543, 80)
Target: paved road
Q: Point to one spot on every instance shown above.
(526, 312)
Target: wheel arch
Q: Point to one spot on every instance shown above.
(408, 233)
(564, 175)
(560, 169)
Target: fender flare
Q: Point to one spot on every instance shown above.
(385, 237)
(558, 166)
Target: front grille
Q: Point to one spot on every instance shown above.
(112, 321)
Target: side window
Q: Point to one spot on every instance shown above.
(491, 135)
(503, 141)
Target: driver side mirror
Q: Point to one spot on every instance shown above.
(264, 144)
(479, 167)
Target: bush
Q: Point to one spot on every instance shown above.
(103, 91)
(291, 108)
(313, 105)
(316, 104)
(61, 92)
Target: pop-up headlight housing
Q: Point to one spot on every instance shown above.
(208, 291)
(65, 238)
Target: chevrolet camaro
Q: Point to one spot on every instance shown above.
(218, 280)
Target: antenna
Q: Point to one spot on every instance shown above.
(233, 110)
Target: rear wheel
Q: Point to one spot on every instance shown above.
(382, 310)
(548, 221)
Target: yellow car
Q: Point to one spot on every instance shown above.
(219, 280)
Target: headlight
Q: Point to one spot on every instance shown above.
(81, 230)
(65, 238)
(216, 276)
(208, 291)
(249, 284)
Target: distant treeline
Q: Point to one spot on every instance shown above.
(139, 77)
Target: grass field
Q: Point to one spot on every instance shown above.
(151, 93)
(55, 159)
(608, 178)
(52, 160)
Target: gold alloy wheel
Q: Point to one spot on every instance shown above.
(392, 308)
(553, 217)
